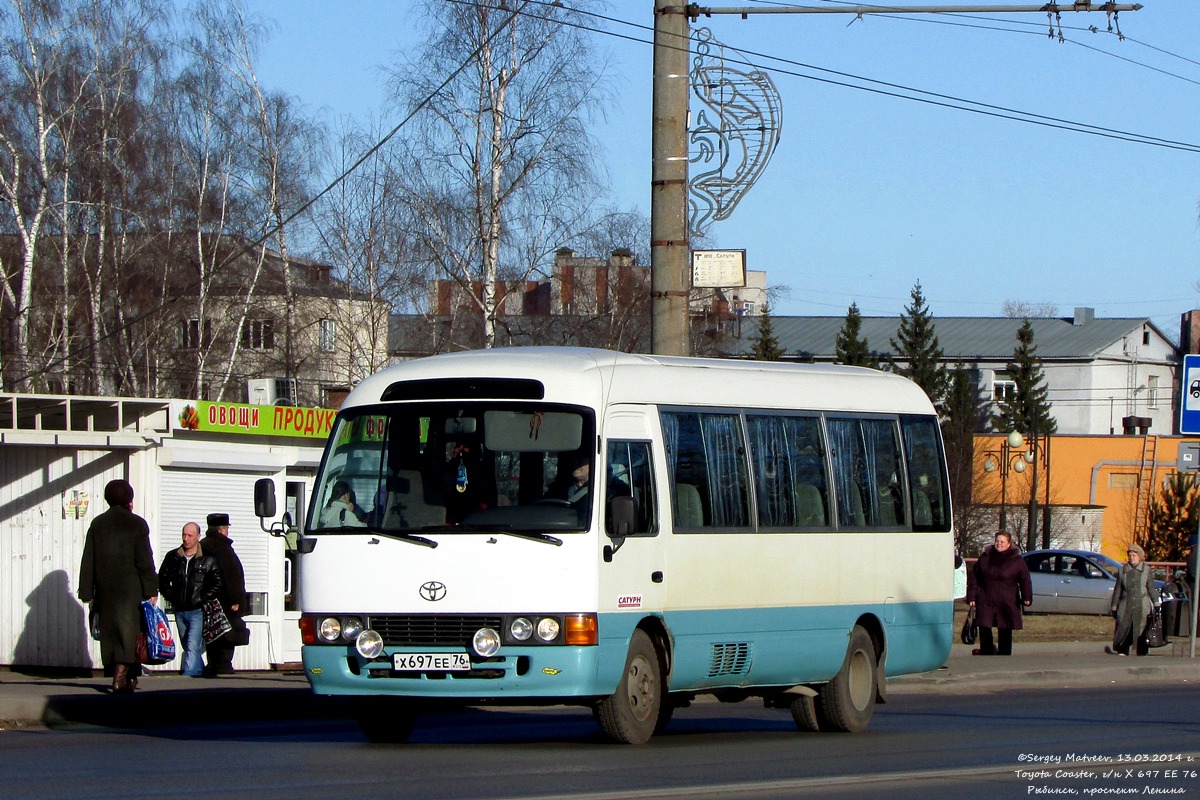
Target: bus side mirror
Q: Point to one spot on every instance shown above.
(622, 519)
(622, 513)
(264, 498)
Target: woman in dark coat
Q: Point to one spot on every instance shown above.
(998, 587)
(116, 575)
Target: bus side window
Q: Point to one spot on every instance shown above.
(926, 478)
(789, 471)
(868, 473)
(628, 472)
(707, 452)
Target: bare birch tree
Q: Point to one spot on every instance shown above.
(35, 99)
(500, 171)
(359, 235)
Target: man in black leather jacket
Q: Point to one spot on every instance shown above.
(188, 578)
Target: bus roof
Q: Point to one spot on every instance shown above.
(595, 377)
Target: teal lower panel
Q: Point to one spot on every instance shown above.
(711, 649)
(786, 646)
(920, 639)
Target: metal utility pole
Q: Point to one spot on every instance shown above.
(670, 250)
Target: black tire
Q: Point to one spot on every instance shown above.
(847, 702)
(632, 714)
(385, 721)
(804, 712)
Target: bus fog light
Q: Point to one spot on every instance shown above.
(486, 642)
(330, 629)
(547, 629)
(520, 629)
(369, 644)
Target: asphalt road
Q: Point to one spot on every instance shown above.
(1008, 743)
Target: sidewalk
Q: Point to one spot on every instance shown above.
(1044, 665)
(27, 700)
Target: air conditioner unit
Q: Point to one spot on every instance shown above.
(271, 391)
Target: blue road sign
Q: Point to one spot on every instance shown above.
(1189, 409)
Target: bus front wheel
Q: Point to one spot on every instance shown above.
(847, 702)
(631, 714)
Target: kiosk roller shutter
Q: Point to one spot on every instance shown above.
(190, 495)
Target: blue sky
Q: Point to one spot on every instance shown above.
(868, 194)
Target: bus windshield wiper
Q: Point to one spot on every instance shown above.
(411, 538)
(532, 536)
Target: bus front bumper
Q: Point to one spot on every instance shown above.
(531, 672)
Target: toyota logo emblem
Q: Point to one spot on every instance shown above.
(433, 590)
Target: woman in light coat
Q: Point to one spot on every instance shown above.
(1133, 601)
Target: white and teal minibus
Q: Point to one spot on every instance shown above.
(626, 533)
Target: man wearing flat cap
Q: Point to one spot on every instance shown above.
(232, 596)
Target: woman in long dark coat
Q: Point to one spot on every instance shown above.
(1133, 601)
(116, 574)
(998, 588)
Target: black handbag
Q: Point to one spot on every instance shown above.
(1154, 629)
(969, 629)
(215, 624)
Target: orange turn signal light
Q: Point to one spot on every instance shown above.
(581, 629)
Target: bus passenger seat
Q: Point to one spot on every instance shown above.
(922, 510)
(810, 506)
(689, 511)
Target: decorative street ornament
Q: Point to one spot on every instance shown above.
(736, 131)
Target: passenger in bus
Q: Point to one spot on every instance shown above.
(342, 509)
(887, 486)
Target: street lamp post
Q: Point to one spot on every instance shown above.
(1006, 458)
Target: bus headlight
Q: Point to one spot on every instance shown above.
(520, 629)
(351, 628)
(330, 629)
(547, 629)
(486, 642)
(369, 644)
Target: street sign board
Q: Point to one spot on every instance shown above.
(718, 269)
(1189, 457)
(1189, 408)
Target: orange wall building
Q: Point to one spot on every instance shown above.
(1099, 487)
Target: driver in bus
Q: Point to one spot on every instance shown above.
(342, 511)
(578, 491)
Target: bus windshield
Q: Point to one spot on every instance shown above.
(401, 468)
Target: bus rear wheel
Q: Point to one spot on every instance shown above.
(385, 720)
(847, 702)
(632, 713)
(804, 713)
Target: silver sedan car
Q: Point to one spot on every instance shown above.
(1071, 581)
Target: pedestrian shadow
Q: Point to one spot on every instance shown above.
(55, 638)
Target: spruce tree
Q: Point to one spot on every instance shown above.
(764, 344)
(1173, 519)
(964, 417)
(1028, 409)
(850, 349)
(917, 355)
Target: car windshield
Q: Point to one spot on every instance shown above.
(404, 468)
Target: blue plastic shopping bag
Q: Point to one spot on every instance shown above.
(160, 645)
